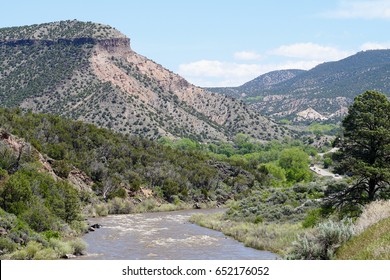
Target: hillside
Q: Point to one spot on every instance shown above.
(54, 172)
(261, 83)
(87, 71)
(327, 89)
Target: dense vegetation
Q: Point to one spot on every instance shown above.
(119, 165)
(268, 187)
(326, 213)
(59, 30)
(115, 162)
(38, 69)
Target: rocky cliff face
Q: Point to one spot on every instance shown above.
(19, 151)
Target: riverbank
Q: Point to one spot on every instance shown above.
(151, 204)
(276, 238)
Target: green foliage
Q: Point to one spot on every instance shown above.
(327, 162)
(276, 205)
(8, 159)
(376, 244)
(262, 236)
(59, 30)
(116, 162)
(120, 206)
(78, 246)
(39, 217)
(273, 174)
(7, 246)
(312, 218)
(322, 242)
(38, 200)
(16, 194)
(61, 168)
(365, 150)
(318, 129)
(296, 163)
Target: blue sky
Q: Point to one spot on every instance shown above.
(226, 43)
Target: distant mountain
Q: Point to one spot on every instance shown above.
(327, 90)
(87, 71)
(261, 83)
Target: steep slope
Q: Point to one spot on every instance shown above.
(329, 88)
(88, 71)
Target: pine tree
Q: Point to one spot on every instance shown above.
(365, 149)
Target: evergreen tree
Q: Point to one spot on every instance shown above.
(365, 150)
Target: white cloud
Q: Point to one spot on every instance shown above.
(232, 74)
(363, 9)
(375, 46)
(247, 55)
(213, 73)
(310, 51)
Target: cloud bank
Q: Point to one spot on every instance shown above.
(367, 9)
(215, 73)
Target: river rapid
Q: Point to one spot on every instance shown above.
(163, 236)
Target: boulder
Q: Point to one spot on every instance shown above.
(70, 256)
(197, 205)
(3, 231)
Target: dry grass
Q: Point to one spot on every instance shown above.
(372, 214)
(276, 238)
(372, 244)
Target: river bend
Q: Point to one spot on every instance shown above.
(163, 235)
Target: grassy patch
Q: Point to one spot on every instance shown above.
(276, 238)
(376, 241)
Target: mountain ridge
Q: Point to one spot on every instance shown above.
(101, 80)
(329, 88)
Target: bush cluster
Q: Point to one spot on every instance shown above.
(322, 242)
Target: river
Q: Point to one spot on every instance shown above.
(163, 235)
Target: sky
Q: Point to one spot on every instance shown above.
(226, 43)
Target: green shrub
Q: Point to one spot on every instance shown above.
(312, 218)
(101, 209)
(39, 218)
(7, 246)
(321, 243)
(61, 168)
(16, 193)
(46, 254)
(120, 193)
(49, 234)
(327, 162)
(60, 247)
(17, 255)
(3, 175)
(79, 227)
(32, 248)
(78, 246)
(148, 204)
(120, 206)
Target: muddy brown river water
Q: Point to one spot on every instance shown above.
(163, 236)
